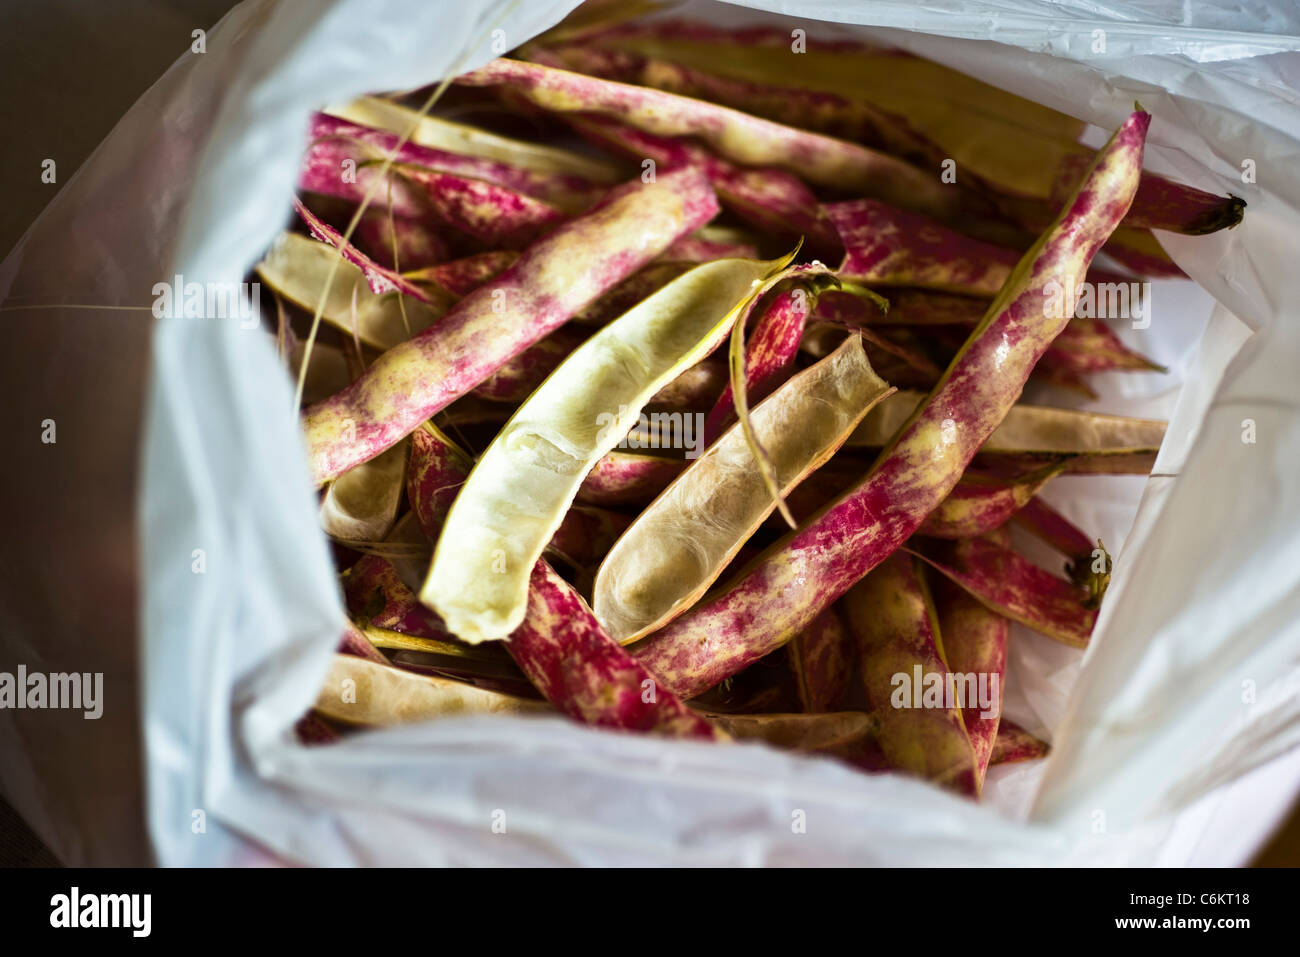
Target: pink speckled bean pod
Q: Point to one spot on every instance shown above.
(1060, 367)
(892, 621)
(379, 278)
(520, 377)
(1134, 248)
(400, 609)
(809, 569)
(1013, 586)
(434, 474)
(560, 646)
(399, 220)
(1160, 203)
(772, 200)
(586, 533)
(626, 478)
(739, 137)
(1000, 536)
(823, 112)
(1014, 744)
(586, 674)
(697, 249)
(770, 351)
(341, 168)
(553, 279)
(1049, 525)
(886, 246)
(1088, 345)
(980, 503)
(460, 277)
(1086, 562)
(633, 289)
(822, 660)
(494, 215)
(567, 191)
(974, 643)
(695, 389)
(1140, 251)
(400, 242)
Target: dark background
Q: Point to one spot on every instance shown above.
(70, 69)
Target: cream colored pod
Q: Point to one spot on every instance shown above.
(360, 506)
(1028, 429)
(298, 268)
(517, 494)
(384, 695)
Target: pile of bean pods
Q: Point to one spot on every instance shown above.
(669, 378)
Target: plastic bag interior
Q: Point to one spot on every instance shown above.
(1190, 683)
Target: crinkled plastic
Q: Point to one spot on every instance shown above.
(1185, 709)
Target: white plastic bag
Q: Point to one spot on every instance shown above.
(1192, 678)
